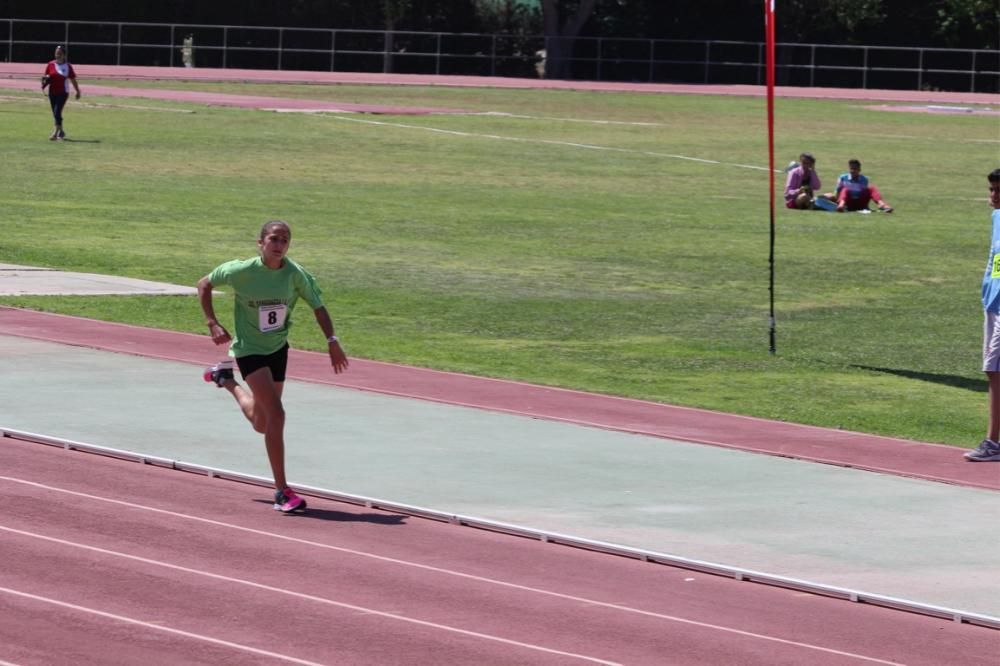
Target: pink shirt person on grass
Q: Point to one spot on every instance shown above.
(802, 182)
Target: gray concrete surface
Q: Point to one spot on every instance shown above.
(32, 281)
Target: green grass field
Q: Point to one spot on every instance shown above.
(589, 255)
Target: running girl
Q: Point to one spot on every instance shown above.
(266, 289)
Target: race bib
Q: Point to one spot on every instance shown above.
(271, 317)
(995, 273)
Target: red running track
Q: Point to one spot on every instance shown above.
(32, 71)
(112, 562)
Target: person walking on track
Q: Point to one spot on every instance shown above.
(266, 289)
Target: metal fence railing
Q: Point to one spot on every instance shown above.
(593, 58)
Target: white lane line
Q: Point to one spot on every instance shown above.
(925, 138)
(308, 597)
(551, 142)
(135, 107)
(449, 572)
(516, 116)
(158, 627)
(9, 98)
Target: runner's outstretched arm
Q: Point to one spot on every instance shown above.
(338, 359)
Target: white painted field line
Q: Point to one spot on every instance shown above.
(157, 627)
(501, 114)
(450, 572)
(552, 142)
(498, 137)
(96, 105)
(135, 107)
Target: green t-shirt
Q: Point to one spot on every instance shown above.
(264, 301)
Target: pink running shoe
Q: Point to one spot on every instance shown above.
(219, 373)
(286, 501)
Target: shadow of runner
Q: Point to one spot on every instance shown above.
(345, 517)
(977, 385)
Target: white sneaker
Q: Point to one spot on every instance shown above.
(219, 373)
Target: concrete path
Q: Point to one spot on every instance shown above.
(33, 281)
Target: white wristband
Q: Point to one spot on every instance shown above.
(333, 338)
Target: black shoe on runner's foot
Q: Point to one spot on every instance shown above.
(286, 501)
(219, 373)
(61, 135)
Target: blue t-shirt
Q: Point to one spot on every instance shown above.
(854, 187)
(991, 280)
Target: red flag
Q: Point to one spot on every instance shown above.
(769, 36)
(769, 48)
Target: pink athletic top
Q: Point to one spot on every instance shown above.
(794, 182)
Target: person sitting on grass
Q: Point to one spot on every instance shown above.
(855, 192)
(802, 182)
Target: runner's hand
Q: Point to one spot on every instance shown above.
(338, 359)
(220, 335)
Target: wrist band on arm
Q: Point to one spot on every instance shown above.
(333, 338)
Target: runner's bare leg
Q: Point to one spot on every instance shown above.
(245, 400)
(268, 416)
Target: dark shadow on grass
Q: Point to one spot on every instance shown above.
(976, 385)
(69, 140)
(344, 516)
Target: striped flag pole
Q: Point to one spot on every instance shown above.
(769, 34)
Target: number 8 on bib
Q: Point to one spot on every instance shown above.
(271, 317)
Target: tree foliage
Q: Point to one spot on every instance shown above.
(930, 23)
(512, 17)
(967, 23)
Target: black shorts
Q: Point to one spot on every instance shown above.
(278, 362)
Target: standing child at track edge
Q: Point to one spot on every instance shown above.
(989, 450)
(266, 289)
